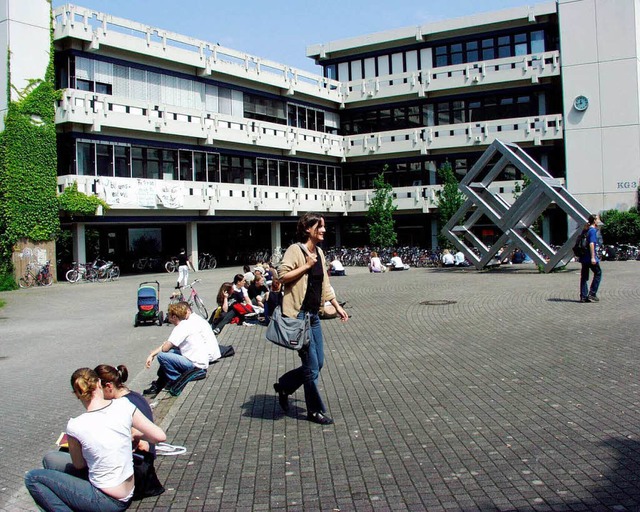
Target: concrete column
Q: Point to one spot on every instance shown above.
(79, 243)
(338, 234)
(192, 243)
(434, 232)
(276, 236)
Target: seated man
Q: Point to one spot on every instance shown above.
(396, 263)
(447, 258)
(185, 350)
(336, 268)
(203, 327)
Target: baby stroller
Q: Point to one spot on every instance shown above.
(148, 304)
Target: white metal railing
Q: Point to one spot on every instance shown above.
(518, 130)
(100, 110)
(100, 28)
(530, 67)
(209, 198)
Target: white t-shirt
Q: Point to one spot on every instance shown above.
(459, 257)
(105, 437)
(396, 261)
(187, 337)
(336, 265)
(209, 338)
(376, 264)
(447, 259)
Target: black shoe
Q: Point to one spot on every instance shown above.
(320, 418)
(585, 299)
(593, 298)
(152, 390)
(283, 398)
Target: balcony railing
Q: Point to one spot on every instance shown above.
(423, 140)
(528, 68)
(98, 28)
(97, 111)
(170, 197)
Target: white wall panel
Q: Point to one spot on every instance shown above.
(356, 70)
(412, 60)
(620, 154)
(619, 92)
(237, 104)
(584, 161)
(383, 65)
(581, 80)
(426, 58)
(577, 32)
(616, 29)
(343, 71)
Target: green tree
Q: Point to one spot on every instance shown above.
(380, 215)
(450, 199)
(621, 227)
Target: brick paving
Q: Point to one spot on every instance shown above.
(514, 396)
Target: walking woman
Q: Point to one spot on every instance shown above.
(99, 473)
(304, 274)
(183, 269)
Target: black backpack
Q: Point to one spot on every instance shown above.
(581, 247)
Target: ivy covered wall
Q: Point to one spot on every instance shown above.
(28, 202)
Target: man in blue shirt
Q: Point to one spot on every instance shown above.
(590, 261)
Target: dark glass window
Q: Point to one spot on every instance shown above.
(104, 159)
(122, 161)
(261, 169)
(293, 174)
(169, 164)
(504, 47)
(85, 159)
(153, 163)
(273, 173)
(137, 162)
(472, 51)
(200, 165)
(488, 49)
(537, 41)
(186, 165)
(283, 174)
(213, 167)
(456, 53)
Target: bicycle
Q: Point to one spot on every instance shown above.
(194, 300)
(42, 278)
(171, 265)
(207, 261)
(84, 271)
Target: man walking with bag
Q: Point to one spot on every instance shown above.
(590, 262)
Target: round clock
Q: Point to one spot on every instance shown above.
(581, 103)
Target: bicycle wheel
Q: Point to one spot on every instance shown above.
(91, 275)
(199, 307)
(27, 281)
(202, 264)
(72, 276)
(169, 266)
(103, 275)
(213, 262)
(114, 273)
(47, 280)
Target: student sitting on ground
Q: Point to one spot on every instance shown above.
(257, 291)
(375, 265)
(396, 263)
(447, 259)
(336, 268)
(185, 350)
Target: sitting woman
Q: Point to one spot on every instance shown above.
(100, 441)
(112, 380)
(375, 265)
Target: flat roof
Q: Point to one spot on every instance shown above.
(408, 35)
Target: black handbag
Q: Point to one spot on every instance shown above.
(145, 477)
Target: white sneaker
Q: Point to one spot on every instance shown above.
(247, 324)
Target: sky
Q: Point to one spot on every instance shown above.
(281, 30)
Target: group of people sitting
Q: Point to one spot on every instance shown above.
(254, 294)
(453, 260)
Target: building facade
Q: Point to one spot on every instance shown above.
(200, 146)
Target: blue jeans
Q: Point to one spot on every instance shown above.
(62, 488)
(307, 375)
(585, 290)
(173, 364)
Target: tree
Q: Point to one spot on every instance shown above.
(621, 227)
(380, 215)
(450, 199)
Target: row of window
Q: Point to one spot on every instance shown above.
(162, 89)
(473, 49)
(123, 161)
(493, 106)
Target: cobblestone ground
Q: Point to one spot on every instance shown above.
(501, 393)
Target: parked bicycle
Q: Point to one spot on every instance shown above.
(146, 263)
(41, 277)
(194, 300)
(107, 271)
(81, 271)
(207, 261)
(172, 265)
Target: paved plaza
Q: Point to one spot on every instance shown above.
(451, 390)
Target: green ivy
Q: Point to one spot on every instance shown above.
(73, 202)
(28, 162)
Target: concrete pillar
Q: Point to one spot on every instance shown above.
(276, 236)
(338, 234)
(192, 243)
(434, 232)
(79, 243)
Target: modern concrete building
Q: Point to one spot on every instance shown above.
(197, 145)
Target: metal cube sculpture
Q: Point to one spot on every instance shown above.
(513, 221)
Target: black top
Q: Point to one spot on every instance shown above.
(312, 300)
(255, 290)
(143, 406)
(182, 259)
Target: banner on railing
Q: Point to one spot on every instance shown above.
(142, 193)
